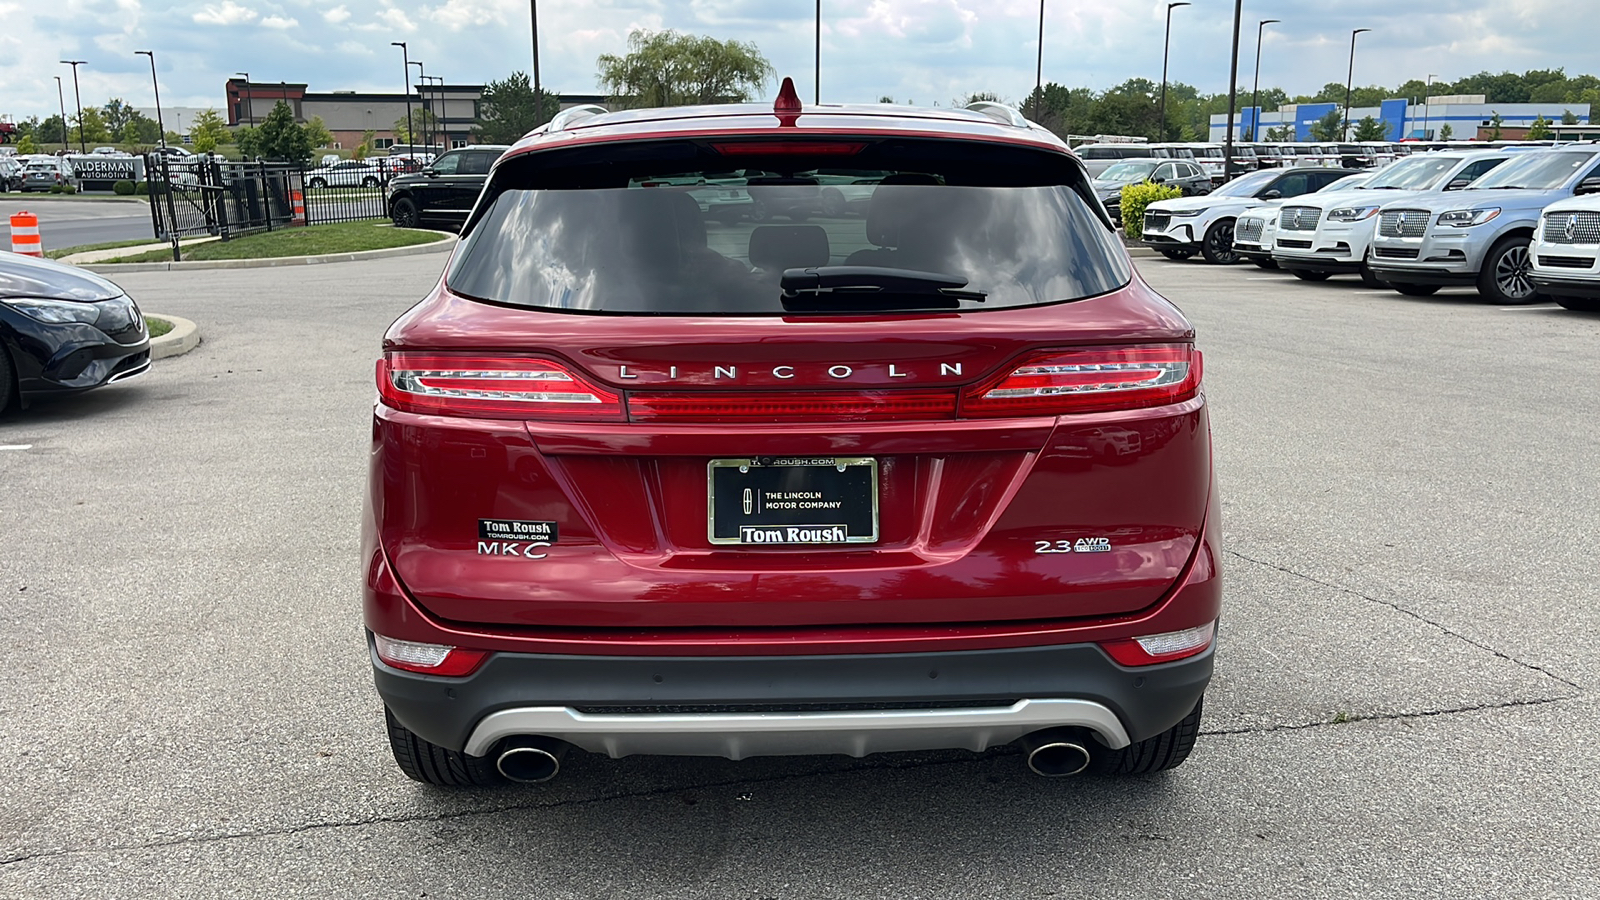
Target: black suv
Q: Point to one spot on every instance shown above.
(443, 192)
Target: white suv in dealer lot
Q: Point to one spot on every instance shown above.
(1479, 235)
(1566, 250)
(1329, 234)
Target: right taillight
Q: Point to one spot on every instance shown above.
(1091, 379)
(493, 387)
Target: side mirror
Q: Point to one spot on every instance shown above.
(430, 171)
(1459, 183)
(1158, 179)
(1588, 186)
(1272, 195)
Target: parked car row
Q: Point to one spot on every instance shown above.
(1518, 225)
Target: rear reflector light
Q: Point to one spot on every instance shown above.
(821, 407)
(1094, 379)
(788, 148)
(493, 387)
(429, 659)
(1160, 648)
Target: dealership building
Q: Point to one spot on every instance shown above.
(1468, 116)
(350, 114)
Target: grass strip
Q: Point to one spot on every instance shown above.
(344, 237)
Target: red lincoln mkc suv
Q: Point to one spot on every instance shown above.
(744, 430)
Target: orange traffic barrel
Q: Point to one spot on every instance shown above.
(298, 200)
(25, 234)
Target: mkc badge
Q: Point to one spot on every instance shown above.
(1572, 227)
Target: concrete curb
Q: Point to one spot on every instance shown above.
(183, 337)
(445, 242)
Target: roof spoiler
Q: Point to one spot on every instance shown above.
(1000, 112)
(567, 117)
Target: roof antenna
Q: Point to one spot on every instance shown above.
(787, 106)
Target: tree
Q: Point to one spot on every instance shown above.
(207, 131)
(317, 132)
(94, 127)
(50, 130)
(509, 109)
(1328, 127)
(665, 68)
(363, 149)
(1494, 126)
(1370, 129)
(1445, 132)
(118, 114)
(280, 137)
(130, 133)
(1283, 133)
(1539, 130)
(1568, 117)
(422, 124)
(26, 145)
(248, 139)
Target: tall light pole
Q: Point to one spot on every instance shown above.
(405, 82)
(1427, 107)
(422, 100)
(1349, 81)
(1233, 90)
(1161, 132)
(1038, 72)
(62, 100)
(816, 97)
(436, 84)
(75, 63)
(538, 90)
(157, 85)
(249, 108)
(1255, 100)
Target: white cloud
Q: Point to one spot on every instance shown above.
(336, 16)
(279, 22)
(229, 13)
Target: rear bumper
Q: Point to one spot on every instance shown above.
(781, 705)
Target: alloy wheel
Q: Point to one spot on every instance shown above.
(1511, 273)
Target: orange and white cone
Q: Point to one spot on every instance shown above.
(298, 201)
(25, 234)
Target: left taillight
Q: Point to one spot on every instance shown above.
(1091, 379)
(428, 659)
(493, 387)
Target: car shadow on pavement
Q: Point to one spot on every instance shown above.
(97, 403)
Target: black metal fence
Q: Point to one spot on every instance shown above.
(208, 195)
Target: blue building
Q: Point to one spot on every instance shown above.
(1465, 114)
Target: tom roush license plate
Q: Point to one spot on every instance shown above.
(793, 500)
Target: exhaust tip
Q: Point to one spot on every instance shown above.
(1058, 759)
(529, 760)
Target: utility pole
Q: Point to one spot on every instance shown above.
(1349, 81)
(538, 87)
(1255, 118)
(62, 100)
(1038, 71)
(249, 108)
(816, 97)
(1161, 132)
(1233, 91)
(75, 63)
(157, 85)
(405, 82)
(1427, 107)
(422, 98)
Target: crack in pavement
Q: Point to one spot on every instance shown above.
(1415, 615)
(992, 753)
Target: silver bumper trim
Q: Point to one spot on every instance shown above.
(852, 733)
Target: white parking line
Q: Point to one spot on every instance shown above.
(16, 446)
(1529, 308)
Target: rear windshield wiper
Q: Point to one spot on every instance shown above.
(865, 288)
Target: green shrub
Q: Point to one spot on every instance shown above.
(122, 188)
(141, 188)
(63, 189)
(1135, 197)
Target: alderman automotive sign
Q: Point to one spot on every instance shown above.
(100, 168)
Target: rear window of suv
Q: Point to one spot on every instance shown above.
(669, 228)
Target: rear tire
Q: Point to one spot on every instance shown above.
(1166, 750)
(8, 383)
(1264, 263)
(1370, 278)
(1177, 255)
(369, 182)
(1505, 279)
(433, 764)
(1576, 304)
(318, 183)
(1416, 290)
(833, 203)
(1217, 248)
(1310, 275)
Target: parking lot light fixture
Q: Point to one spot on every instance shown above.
(249, 111)
(1255, 100)
(160, 125)
(1161, 124)
(1233, 91)
(77, 96)
(1427, 111)
(1349, 81)
(61, 99)
(422, 99)
(405, 82)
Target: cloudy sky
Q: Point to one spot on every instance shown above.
(920, 50)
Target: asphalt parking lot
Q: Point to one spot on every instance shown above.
(74, 222)
(1404, 704)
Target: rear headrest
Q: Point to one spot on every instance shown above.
(660, 227)
(893, 209)
(779, 247)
